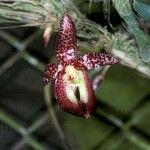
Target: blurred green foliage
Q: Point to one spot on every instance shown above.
(123, 89)
(121, 120)
(143, 9)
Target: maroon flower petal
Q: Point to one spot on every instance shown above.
(73, 87)
(73, 99)
(50, 72)
(97, 60)
(66, 41)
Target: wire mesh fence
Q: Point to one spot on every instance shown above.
(31, 120)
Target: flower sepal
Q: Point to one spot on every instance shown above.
(74, 92)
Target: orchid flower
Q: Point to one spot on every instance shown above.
(73, 86)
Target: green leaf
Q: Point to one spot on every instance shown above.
(125, 10)
(123, 89)
(87, 133)
(142, 9)
(119, 142)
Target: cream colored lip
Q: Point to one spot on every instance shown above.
(77, 81)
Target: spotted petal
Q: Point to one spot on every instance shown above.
(50, 72)
(66, 41)
(73, 86)
(74, 92)
(97, 60)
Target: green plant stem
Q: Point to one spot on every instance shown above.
(47, 96)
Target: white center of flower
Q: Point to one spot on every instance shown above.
(75, 85)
